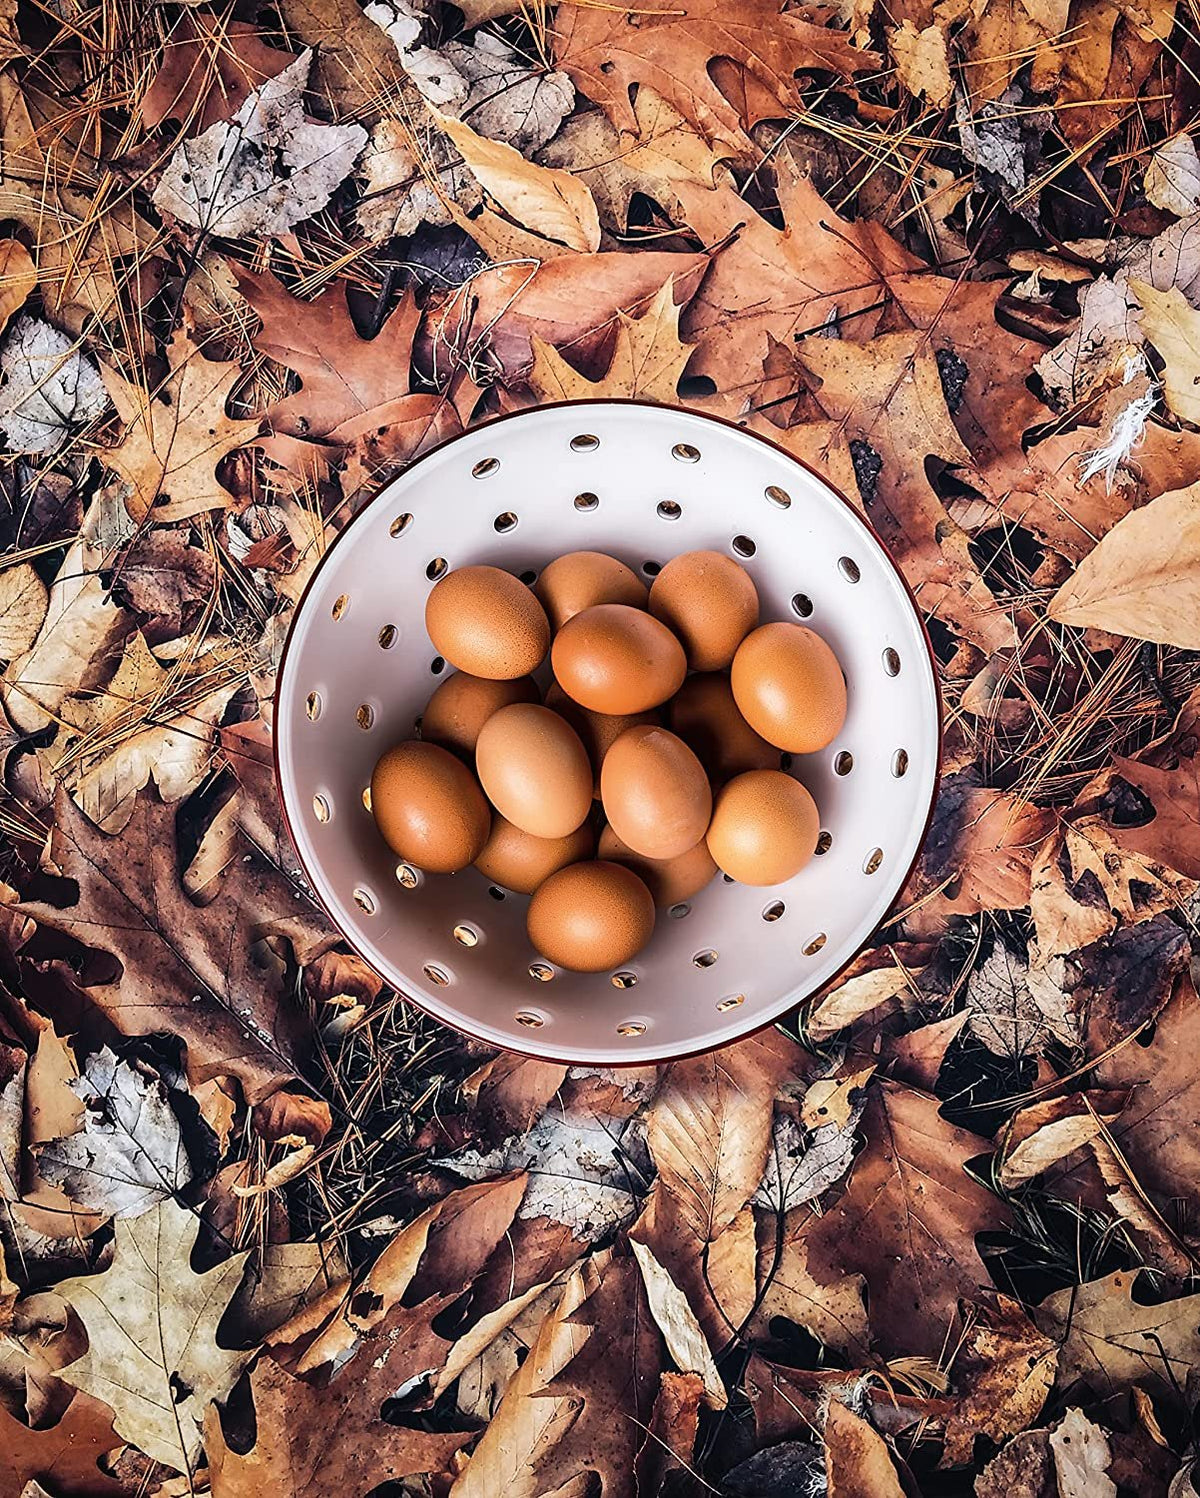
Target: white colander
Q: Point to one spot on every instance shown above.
(642, 483)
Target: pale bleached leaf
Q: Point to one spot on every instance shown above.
(801, 1165)
(23, 603)
(681, 1331)
(49, 389)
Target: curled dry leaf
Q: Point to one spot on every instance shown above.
(685, 1341)
(857, 1461)
(18, 277)
(1042, 1134)
(1003, 1372)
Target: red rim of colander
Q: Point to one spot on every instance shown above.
(723, 421)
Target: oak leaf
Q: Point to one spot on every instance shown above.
(18, 277)
(907, 1221)
(209, 67)
(647, 361)
(182, 972)
(670, 48)
(66, 1454)
(1142, 579)
(176, 434)
(152, 1334)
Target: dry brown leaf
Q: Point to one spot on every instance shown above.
(685, 1341)
(1003, 1372)
(647, 361)
(209, 67)
(1141, 580)
(176, 434)
(152, 1334)
(66, 1454)
(24, 600)
(858, 995)
(857, 1461)
(1173, 327)
(18, 278)
(1042, 1134)
(922, 62)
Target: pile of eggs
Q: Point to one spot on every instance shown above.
(669, 706)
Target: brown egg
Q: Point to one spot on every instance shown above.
(463, 703)
(789, 687)
(655, 793)
(669, 880)
(591, 916)
(764, 827)
(616, 659)
(429, 807)
(521, 862)
(534, 769)
(709, 602)
(599, 731)
(582, 579)
(487, 622)
(705, 716)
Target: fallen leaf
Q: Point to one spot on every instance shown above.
(176, 434)
(167, 579)
(552, 203)
(1173, 327)
(1109, 1339)
(281, 1282)
(1081, 1458)
(857, 1461)
(671, 1436)
(1141, 579)
(66, 1454)
(802, 1165)
(209, 67)
(51, 389)
(265, 170)
(152, 1326)
(509, 1093)
(922, 62)
(1042, 1134)
(1014, 1010)
(647, 361)
(1023, 1469)
(129, 1155)
(685, 1341)
(907, 1221)
(859, 994)
(172, 952)
(1172, 177)
(1003, 1373)
(24, 600)
(18, 278)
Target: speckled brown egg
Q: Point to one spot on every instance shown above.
(429, 807)
(615, 659)
(705, 716)
(590, 917)
(655, 793)
(669, 880)
(599, 731)
(535, 770)
(518, 861)
(789, 687)
(463, 704)
(709, 603)
(487, 622)
(764, 827)
(582, 579)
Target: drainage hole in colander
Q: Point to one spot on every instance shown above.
(843, 762)
(814, 945)
(632, 1027)
(824, 842)
(436, 569)
(529, 577)
(465, 936)
(677, 912)
(744, 546)
(778, 496)
(872, 861)
(728, 878)
(705, 958)
(623, 980)
(312, 706)
(365, 716)
(485, 468)
(586, 442)
(685, 452)
(802, 604)
(340, 604)
(322, 809)
(900, 763)
(848, 567)
(366, 797)
(388, 636)
(669, 510)
(400, 524)
(774, 910)
(504, 522)
(732, 1002)
(437, 665)
(408, 877)
(436, 974)
(651, 569)
(496, 894)
(365, 900)
(891, 661)
(542, 971)
(586, 501)
(529, 1019)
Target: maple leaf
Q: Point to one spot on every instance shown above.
(1003, 1372)
(66, 1454)
(176, 435)
(152, 1334)
(647, 361)
(670, 48)
(907, 1221)
(188, 969)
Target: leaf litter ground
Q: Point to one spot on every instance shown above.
(265, 1225)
